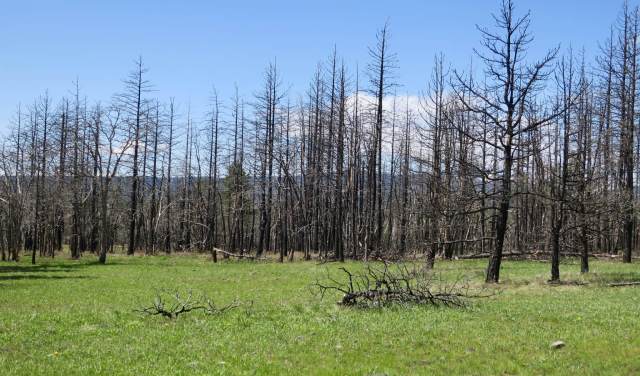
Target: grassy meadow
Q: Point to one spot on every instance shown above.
(64, 317)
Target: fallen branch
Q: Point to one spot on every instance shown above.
(235, 254)
(180, 305)
(532, 255)
(485, 255)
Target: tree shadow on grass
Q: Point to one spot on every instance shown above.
(602, 279)
(48, 271)
(17, 277)
(42, 268)
(615, 277)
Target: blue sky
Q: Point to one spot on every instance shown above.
(191, 45)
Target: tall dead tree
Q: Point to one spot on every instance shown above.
(433, 112)
(511, 84)
(339, 205)
(169, 229)
(627, 76)
(267, 106)
(560, 176)
(380, 70)
(133, 102)
(212, 187)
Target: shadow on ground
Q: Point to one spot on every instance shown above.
(42, 268)
(18, 277)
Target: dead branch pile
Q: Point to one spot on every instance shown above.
(387, 284)
(171, 305)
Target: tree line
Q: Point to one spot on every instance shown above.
(523, 156)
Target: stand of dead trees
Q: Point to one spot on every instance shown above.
(516, 155)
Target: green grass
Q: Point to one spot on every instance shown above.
(76, 317)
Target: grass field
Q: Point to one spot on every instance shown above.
(76, 317)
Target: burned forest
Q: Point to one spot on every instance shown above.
(521, 155)
(320, 188)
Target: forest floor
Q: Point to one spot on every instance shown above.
(68, 317)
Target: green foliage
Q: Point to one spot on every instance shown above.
(234, 182)
(236, 198)
(76, 318)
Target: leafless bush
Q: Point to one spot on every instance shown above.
(387, 284)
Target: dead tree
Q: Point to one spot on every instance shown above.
(510, 85)
(133, 104)
(212, 190)
(380, 71)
